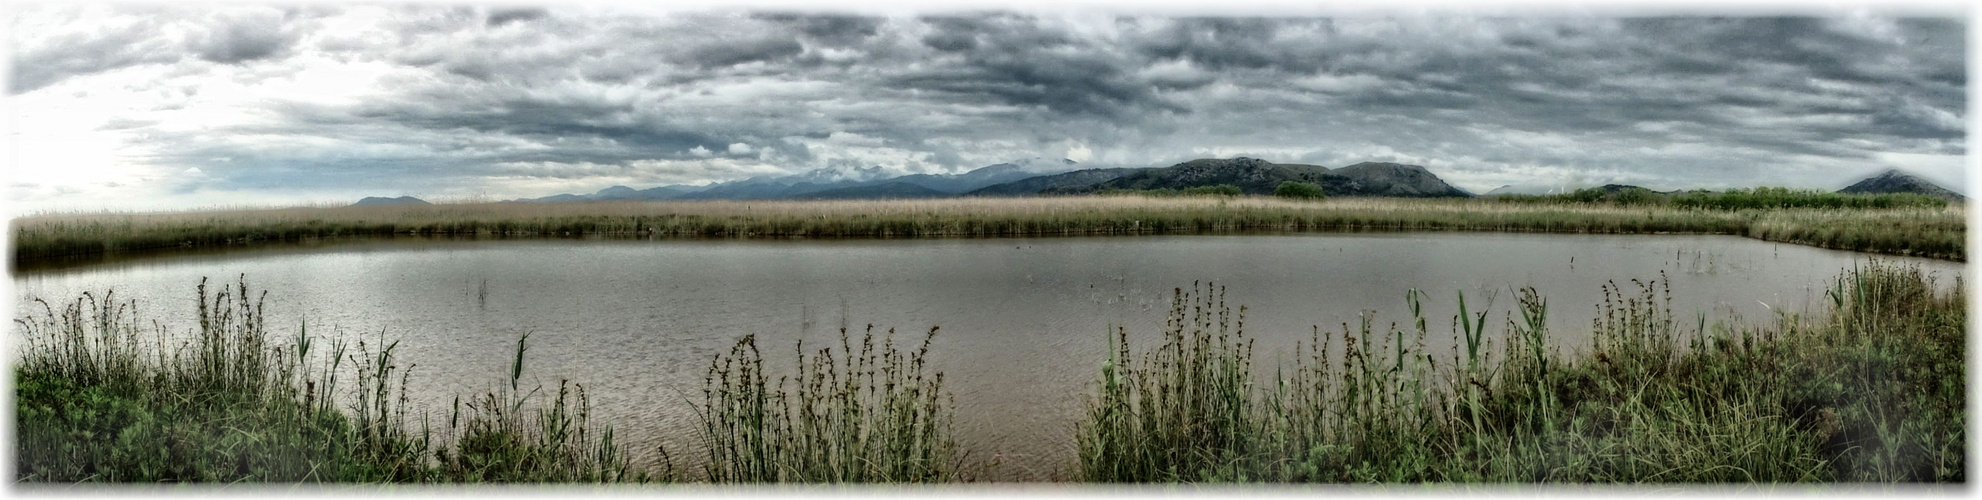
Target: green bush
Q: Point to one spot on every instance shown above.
(1299, 190)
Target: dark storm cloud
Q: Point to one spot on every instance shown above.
(1225, 44)
(1013, 60)
(745, 51)
(247, 37)
(505, 16)
(559, 94)
(830, 30)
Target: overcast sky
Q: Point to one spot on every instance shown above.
(166, 107)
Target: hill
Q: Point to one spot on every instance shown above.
(967, 181)
(891, 190)
(834, 181)
(1391, 179)
(1036, 185)
(1895, 181)
(371, 201)
(1251, 175)
(1256, 176)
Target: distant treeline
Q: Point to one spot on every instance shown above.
(1733, 199)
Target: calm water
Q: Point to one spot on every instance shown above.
(1023, 320)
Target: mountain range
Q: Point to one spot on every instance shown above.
(1048, 177)
(1251, 175)
(1256, 176)
(832, 183)
(1889, 181)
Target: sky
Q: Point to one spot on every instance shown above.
(171, 107)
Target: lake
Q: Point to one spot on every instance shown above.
(1024, 321)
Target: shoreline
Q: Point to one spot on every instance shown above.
(1937, 233)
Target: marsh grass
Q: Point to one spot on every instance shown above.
(1732, 199)
(501, 438)
(1871, 392)
(1909, 230)
(1184, 411)
(103, 396)
(862, 413)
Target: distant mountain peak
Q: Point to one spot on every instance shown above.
(839, 174)
(370, 201)
(1039, 164)
(1893, 180)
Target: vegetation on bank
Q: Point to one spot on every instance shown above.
(99, 397)
(1763, 198)
(1300, 190)
(1872, 392)
(1928, 231)
(847, 416)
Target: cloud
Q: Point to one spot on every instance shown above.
(466, 99)
(239, 36)
(501, 17)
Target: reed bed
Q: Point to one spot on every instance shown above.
(1873, 391)
(1926, 231)
(1733, 199)
(871, 415)
(103, 396)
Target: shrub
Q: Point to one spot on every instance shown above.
(1299, 190)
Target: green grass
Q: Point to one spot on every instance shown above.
(1905, 229)
(1874, 391)
(101, 397)
(865, 415)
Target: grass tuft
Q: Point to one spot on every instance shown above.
(102, 397)
(866, 415)
(1873, 391)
